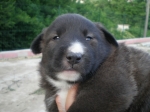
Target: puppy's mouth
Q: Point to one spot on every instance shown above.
(69, 74)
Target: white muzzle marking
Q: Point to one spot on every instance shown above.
(76, 47)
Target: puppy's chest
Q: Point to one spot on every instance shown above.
(63, 96)
(63, 88)
(62, 93)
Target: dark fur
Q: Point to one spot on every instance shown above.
(115, 78)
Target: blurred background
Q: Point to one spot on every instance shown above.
(23, 20)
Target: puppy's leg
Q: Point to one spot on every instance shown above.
(88, 103)
(104, 96)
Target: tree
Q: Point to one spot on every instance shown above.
(22, 20)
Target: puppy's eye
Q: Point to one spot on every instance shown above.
(55, 38)
(88, 38)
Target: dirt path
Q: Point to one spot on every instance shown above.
(19, 86)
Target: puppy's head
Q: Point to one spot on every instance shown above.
(73, 48)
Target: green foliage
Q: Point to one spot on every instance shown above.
(22, 20)
(6, 12)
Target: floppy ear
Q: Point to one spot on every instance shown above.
(107, 35)
(35, 45)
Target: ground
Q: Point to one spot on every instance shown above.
(19, 84)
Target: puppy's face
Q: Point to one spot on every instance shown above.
(73, 48)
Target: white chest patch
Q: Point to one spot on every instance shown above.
(63, 95)
(76, 47)
(63, 90)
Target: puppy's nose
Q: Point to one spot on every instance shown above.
(74, 58)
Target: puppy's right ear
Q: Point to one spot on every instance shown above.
(36, 44)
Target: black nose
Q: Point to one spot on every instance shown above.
(74, 58)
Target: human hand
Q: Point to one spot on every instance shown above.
(69, 100)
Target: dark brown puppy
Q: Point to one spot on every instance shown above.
(111, 77)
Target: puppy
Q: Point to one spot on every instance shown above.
(112, 77)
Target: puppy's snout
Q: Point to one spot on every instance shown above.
(74, 58)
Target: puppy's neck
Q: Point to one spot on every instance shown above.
(63, 88)
(60, 85)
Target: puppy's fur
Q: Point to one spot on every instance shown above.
(112, 77)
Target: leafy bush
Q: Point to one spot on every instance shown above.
(22, 20)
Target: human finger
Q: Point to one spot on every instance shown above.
(71, 96)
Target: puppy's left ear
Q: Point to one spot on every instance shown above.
(107, 35)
